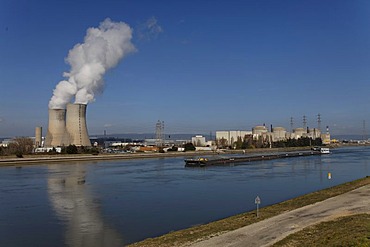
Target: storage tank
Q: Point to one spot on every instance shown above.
(38, 137)
(259, 130)
(56, 128)
(76, 125)
(299, 132)
(278, 133)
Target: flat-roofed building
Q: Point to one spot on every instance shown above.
(229, 137)
(198, 141)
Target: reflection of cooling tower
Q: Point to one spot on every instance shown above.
(76, 125)
(57, 128)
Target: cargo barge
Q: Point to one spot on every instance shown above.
(203, 162)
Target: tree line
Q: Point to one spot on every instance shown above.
(24, 146)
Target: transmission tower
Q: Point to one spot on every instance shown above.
(291, 124)
(304, 122)
(159, 132)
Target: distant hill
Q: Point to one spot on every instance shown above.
(348, 137)
(135, 136)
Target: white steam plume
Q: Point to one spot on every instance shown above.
(102, 49)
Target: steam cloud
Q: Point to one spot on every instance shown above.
(149, 30)
(102, 49)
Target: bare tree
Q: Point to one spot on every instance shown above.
(20, 146)
(221, 142)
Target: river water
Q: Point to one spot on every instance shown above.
(114, 203)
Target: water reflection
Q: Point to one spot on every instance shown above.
(74, 205)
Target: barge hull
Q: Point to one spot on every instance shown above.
(231, 160)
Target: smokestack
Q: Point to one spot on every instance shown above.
(38, 137)
(76, 127)
(56, 129)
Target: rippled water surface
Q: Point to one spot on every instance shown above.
(113, 203)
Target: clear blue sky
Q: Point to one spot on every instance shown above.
(208, 65)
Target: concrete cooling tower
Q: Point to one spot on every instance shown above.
(56, 129)
(68, 127)
(76, 125)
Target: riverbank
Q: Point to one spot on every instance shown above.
(195, 235)
(39, 159)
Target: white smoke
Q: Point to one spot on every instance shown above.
(102, 49)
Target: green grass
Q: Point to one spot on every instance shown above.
(193, 234)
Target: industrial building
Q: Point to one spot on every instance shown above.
(67, 127)
(275, 134)
(199, 141)
(231, 136)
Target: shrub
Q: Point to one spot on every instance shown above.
(72, 149)
(189, 147)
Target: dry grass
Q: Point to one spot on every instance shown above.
(345, 231)
(191, 235)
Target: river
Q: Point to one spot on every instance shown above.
(114, 203)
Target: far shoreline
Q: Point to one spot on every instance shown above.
(39, 159)
(35, 159)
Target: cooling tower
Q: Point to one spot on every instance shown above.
(56, 129)
(76, 125)
(38, 137)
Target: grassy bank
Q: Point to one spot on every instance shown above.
(186, 236)
(351, 230)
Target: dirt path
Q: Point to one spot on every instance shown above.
(269, 231)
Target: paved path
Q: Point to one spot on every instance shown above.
(269, 231)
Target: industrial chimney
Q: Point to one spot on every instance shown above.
(76, 128)
(56, 129)
(38, 137)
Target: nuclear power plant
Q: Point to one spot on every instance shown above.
(104, 47)
(67, 127)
